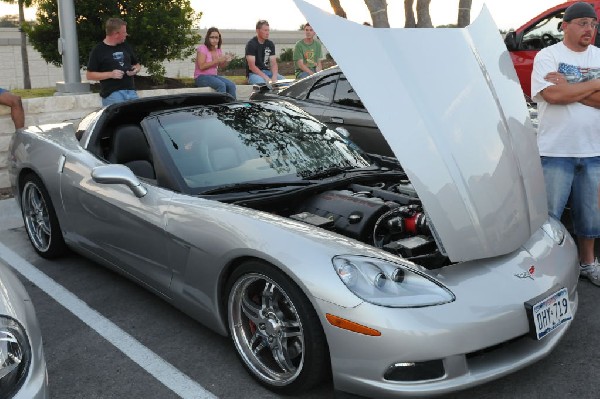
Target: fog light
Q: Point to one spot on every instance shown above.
(415, 371)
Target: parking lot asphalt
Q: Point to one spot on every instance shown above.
(86, 362)
(10, 214)
(106, 337)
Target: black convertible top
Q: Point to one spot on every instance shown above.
(97, 135)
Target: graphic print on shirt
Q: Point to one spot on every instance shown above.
(267, 55)
(576, 74)
(309, 56)
(119, 57)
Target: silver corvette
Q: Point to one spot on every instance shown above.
(415, 278)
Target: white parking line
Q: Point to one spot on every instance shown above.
(163, 371)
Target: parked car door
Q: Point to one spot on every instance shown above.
(333, 101)
(348, 111)
(108, 219)
(542, 31)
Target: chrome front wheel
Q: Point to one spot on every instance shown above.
(275, 329)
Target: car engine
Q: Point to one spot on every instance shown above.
(386, 215)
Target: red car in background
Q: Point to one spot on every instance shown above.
(541, 31)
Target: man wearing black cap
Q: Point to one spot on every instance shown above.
(564, 85)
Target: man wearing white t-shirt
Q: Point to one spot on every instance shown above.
(566, 87)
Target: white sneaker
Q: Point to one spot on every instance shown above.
(591, 272)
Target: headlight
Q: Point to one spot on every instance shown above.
(389, 284)
(15, 356)
(554, 229)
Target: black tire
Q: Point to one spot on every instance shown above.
(40, 219)
(275, 329)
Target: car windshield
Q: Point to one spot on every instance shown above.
(246, 142)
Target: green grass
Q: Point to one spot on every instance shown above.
(238, 80)
(187, 81)
(33, 93)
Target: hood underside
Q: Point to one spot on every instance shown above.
(449, 103)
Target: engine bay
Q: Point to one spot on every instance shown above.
(384, 213)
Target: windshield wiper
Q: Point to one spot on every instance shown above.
(333, 171)
(252, 187)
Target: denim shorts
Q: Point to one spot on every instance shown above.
(579, 178)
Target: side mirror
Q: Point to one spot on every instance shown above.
(511, 41)
(118, 174)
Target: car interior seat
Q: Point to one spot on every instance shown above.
(222, 153)
(224, 158)
(192, 158)
(130, 148)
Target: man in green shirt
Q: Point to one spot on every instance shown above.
(307, 54)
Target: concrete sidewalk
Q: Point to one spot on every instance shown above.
(10, 214)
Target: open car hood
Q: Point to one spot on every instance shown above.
(449, 103)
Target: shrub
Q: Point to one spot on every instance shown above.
(236, 62)
(287, 54)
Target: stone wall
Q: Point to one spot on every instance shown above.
(41, 73)
(70, 108)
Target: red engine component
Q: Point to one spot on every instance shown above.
(408, 220)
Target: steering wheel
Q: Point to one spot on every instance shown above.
(548, 40)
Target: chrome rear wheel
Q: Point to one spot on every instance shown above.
(40, 219)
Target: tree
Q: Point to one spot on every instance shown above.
(160, 30)
(378, 10)
(23, 30)
(423, 19)
(409, 15)
(464, 13)
(337, 8)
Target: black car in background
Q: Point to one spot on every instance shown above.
(328, 96)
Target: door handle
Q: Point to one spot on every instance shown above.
(337, 120)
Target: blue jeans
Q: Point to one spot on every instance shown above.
(219, 83)
(302, 74)
(580, 178)
(119, 96)
(254, 78)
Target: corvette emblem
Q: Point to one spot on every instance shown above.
(528, 274)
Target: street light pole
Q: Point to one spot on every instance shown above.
(68, 48)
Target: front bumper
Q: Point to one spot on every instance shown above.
(481, 336)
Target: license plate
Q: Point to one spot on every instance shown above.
(547, 312)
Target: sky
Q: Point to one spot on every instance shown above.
(283, 14)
